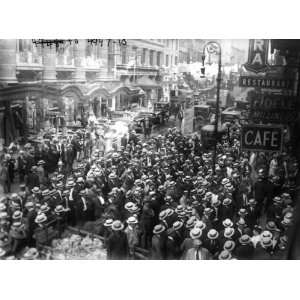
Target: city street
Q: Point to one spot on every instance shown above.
(94, 164)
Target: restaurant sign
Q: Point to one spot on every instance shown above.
(257, 56)
(261, 138)
(266, 82)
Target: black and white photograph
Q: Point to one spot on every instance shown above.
(149, 149)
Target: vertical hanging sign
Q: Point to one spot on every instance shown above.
(257, 56)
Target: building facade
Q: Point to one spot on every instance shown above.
(42, 84)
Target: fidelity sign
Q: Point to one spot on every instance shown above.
(271, 108)
(261, 138)
(257, 56)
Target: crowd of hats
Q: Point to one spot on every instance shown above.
(171, 167)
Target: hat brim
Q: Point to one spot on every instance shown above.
(159, 231)
(117, 229)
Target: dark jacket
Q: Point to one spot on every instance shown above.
(117, 246)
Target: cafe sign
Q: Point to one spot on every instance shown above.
(261, 138)
(257, 56)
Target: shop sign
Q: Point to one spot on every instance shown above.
(257, 56)
(273, 108)
(261, 138)
(266, 82)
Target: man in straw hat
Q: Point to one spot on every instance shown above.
(198, 251)
(117, 244)
(158, 250)
(133, 235)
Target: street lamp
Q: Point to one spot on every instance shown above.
(213, 47)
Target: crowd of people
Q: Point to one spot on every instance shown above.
(162, 197)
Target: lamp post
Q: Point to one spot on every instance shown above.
(213, 47)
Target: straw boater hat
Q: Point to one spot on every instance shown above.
(241, 222)
(252, 201)
(134, 209)
(208, 210)
(170, 212)
(41, 218)
(59, 209)
(277, 200)
(242, 212)
(159, 229)
(177, 225)
(132, 220)
(200, 224)
(227, 201)
(3, 215)
(228, 232)
(271, 226)
(2, 252)
(29, 204)
(266, 234)
(117, 225)
(60, 177)
(17, 215)
(129, 205)
(31, 254)
(44, 208)
(14, 196)
(35, 190)
(225, 255)
(2, 207)
(190, 222)
(229, 245)
(108, 222)
(244, 239)
(212, 234)
(70, 183)
(80, 180)
(45, 193)
(266, 242)
(195, 233)
(227, 223)
(189, 210)
(225, 181)
(179, 208)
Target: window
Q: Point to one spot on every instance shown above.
(151, 57)
(167, 60)
(158, 59)
(176, 60)
(124, 56)
(143, 57)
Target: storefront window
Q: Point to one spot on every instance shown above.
(69, 109)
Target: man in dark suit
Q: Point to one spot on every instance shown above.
(117, 244)
(21, 166)
(252, 213)
(245, 248)
(32, 179)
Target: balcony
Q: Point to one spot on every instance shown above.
(29, 61)
(123, 69)
(92, 63)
